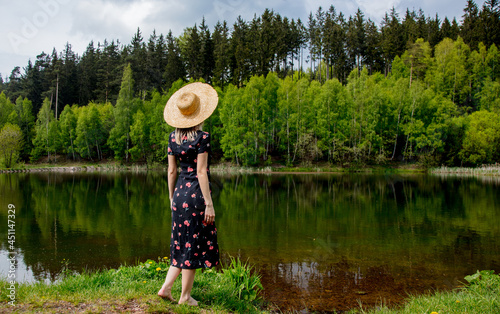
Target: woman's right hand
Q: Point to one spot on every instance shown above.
(209, 214)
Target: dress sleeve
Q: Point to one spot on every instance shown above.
(171, 138)
(204, 143)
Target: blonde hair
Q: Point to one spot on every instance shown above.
(188, 134)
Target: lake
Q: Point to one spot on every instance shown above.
(320, 241)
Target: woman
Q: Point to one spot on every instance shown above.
(193, 242)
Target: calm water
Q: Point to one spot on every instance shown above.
(321, 241)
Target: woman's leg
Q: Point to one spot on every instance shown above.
(165, 291)
(187, 285)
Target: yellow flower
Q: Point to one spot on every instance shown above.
(150, 262)
(165, 257)
(458, 301)
(158, 268)
(144, 281)
(434, 313)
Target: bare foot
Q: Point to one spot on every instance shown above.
(165, 293)
(189, 301)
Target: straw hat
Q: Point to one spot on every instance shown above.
(190, 105)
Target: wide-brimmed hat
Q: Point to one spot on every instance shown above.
(190, 105)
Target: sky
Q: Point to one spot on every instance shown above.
(30, 27)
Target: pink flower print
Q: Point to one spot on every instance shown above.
(175, 189)
(190, 169)
(203, 253)
(188, 263)
(194, 235)
(193, 195)
(202, 213)
(208, 264)
(208, 242)
(190, 146)
(177, 194)
(211, 247)
(195, 254)
(204, 136)
(173, 140)
(185, 205)
(183, 153)
(186, 223)
(180, 225)
(174, 262)
(177, 247)
(175, 242)
(179, 234)
(174, 208)
(181, 187)
(188, 184)
(172, 236)
(194, 214)
(188, 245)
(169, 150)
(208, 144)
(196, 160)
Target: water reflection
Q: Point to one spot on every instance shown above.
(321, 241)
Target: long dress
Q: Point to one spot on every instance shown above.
(193, 242)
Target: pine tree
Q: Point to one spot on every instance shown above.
(175, 68)
(221, 55)
(470, 31)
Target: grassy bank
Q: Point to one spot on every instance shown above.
(481, 295)
(234, 289)
(134, 289)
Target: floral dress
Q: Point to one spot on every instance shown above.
(193, 242)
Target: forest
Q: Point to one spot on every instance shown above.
(333, 90)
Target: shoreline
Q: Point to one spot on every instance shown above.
(485, 170)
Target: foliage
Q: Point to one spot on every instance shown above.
(246, 284)
(11, 141)
(399, 91)
(155, 269)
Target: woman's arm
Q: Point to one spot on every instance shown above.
(172, 176)
(201, 170)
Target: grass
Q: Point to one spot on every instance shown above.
(484, 170)
(234, 289)
(481, 295)
(130, 289)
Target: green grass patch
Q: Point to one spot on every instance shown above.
(480, 295)
(132, 288)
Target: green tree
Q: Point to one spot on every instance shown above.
(221, 54)
(175, 68)
(68, 123)
(482, 138)
(26, 122)
(11, 142)
(139, 136)
(126, 105)
(43, 141)
(6, 110)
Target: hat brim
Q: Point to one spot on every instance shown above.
(208, 102)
